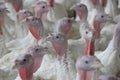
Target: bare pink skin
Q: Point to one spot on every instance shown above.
(35, 26)
(41, 9)
(98, 5)
(22, 14)
(95, 3)
(59, 43)
(51, 3)
(82, 11)
(85, 67)
(89, 46)
(103, 2)
(99, 22)
(3, 11)
(24, 64)
(1, 24)
(17, 4)
(65, 25)
(92, 47)
(38, 53)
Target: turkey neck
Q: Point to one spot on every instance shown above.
(51, 3)
(86, 75)
(18, 5)
(89, 47)
(97, 26)
(97, 6)
(83, 15)
(92, 47)
(26, 73)
(103, 3)
(41, 15)
(1, 24)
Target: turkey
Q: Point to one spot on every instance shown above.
(87, 3)
(86, 66)
(17, 4)
(97, 8)
(38, 53)
(56, 12)
(35, 27)
(82, 12)
(60, 38)
(64, 64)
(24, 64)
(22, 30)
(3, 48)
(111, 54)
(78, 45)
(8, 23)
(64, 25)
(33, 55)
(112, 8)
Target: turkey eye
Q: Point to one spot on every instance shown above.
(80, 6)
(57, 37)
(86, 62)
(24, 60)
(25, 12)
(0, 11)
(36, 49)
(86, 32)
(43, 7)
(102, 16)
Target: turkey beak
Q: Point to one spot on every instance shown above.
(46, 51)
(24, 20)
(109, 18)
(73, 7)
(7, 11)
(48, 38)
(97, 65)
(73, 20)
(14, 66)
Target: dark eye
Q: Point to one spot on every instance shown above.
(86, 62)
(25, 12)
(0, 11)
(57, 37)
(80, 6)
(86, 32)
(43, 7)
(37, 49)
(24, 60)
(102, 16)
